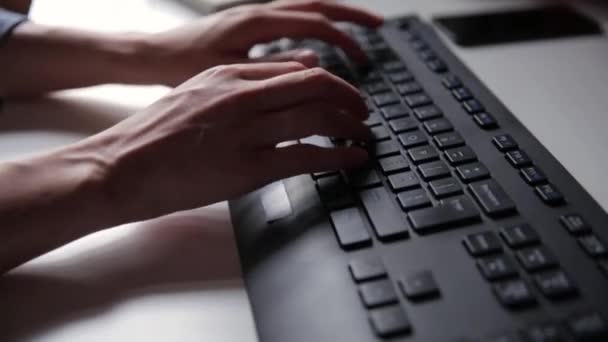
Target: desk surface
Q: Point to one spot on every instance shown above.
(178, 277)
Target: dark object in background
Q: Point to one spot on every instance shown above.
(516, 26)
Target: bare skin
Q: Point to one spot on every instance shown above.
(35, 58)
(175, 154)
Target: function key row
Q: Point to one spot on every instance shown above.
(530, 173)
(466, 98)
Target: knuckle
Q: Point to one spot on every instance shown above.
(225, 71)
(320, 78)
(321, 19)
(256, 16)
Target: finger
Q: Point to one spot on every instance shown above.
(267, 69)
(303, 121)
(303, 158)
(274, 24)
(334, 11)
(307, 58)
(306, 86)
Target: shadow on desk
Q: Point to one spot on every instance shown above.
(187, 251)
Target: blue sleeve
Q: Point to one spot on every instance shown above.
(8, 21)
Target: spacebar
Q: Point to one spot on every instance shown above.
(388, 220)
(449, 212)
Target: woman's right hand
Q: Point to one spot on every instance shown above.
(214, 137)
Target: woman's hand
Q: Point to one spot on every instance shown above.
(214, 137)
(226, 37)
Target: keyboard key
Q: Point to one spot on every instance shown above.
(485, 120)
(376, 87)
(555, 284)
(462, 94)
(370, 76)
(445, 187)
(373, 119)
(403, 125)
(385, 148)
(389, 321)
(380, 133)
(387, 219)
(473, 106)
(536, 258)
(403, 181)
(504, 142)
(518, 158)
(413, 199)
(419, 285)
(514, 293)
(575, 224)
(350, 228)
(448, 140)
(492, 198)
(451, 82)
(418, 100)
(472, 172)
(419, 45)
(533, 175)
(364, 178)
(393, 164)
(334, 193)
(427, 55)
(386, 99)
(393, 66)
(437, 66)
(367, 268)
(408, 88)
(448, 213)
(437, 126)
(401, 76)
(423, 154)
(369, 104)
(588, 327)
(412, 139)
(593, 246)
(482, 243)
(497, 267)
(427, 112)
(519, 235)
(549, 194)
(395, 111)
(547, 332)
(377, 293)
(433, 170)
(460, 155)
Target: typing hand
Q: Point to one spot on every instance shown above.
(226, 37)
(214, 137)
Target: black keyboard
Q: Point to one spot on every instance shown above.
(462, 228)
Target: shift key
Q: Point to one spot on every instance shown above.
(448, 213)
(388, 220)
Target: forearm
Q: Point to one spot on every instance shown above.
(38, 58)
(48, 201)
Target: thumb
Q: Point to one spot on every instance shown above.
(306, 57)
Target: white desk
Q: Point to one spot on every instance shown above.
(177, 278)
